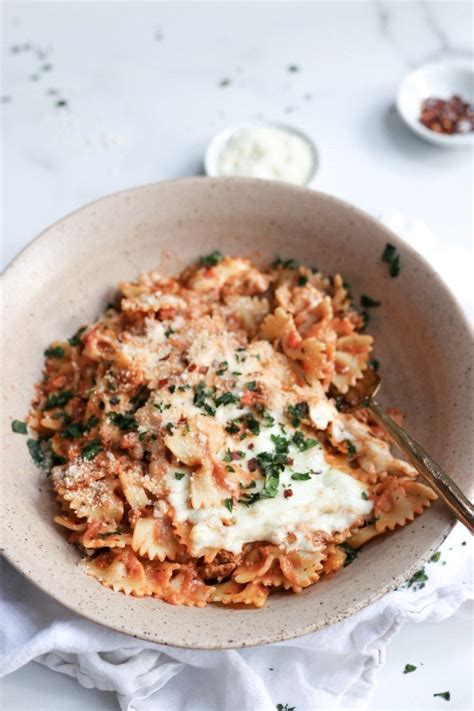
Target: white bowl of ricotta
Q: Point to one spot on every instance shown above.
(270, 151)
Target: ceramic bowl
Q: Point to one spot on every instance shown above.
(66, 276)
(442, 80)
(218, 143)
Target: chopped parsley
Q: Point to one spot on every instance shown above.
(281, 444)
(210, 260)
(267, 420)
(435, 557)
(251, 424)
(298, 412)
(123, 421)
(446, 695)
(91, 423)
(58, 399)
(19, 427)
(229, 504)
(56, 352)
(418, 580)
(226, 398)
(56, 459)
(178, 475)
(368, 303)
(222, 368)
(37, 453)
(278, 263)
(140, 398)
(91, 449)
(114, 400)
(409, 668)
(232, 428)
(271, 464)
(351, 450)
(201, 393)
(301, 476)
(302, 280)
(75, 340)
(374, 364)
(391, 257)
(72, 431)
(303, 443)
(103, 536)
(351, 553)
(364, 496)
(251, 385)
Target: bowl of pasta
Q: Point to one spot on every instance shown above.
(175, 463)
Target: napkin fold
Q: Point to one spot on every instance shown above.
(334, 668)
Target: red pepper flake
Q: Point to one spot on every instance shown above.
(252, 464)
(251, 445)
(454, 115)
(192, 367)
(290, 460)
(236, 455)
(162, 382)
(203, 369)
(287, 493)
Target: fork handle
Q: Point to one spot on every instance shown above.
(443, 485)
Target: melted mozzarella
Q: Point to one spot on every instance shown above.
(330, 500)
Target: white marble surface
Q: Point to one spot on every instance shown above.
(142, 86)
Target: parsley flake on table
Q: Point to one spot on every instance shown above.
(435, 557)
(418, 580)
(281, 707)
(446, 695)
(409, 668)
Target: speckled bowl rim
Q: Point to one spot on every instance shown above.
(8, 550)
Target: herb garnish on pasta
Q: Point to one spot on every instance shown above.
(194, 449)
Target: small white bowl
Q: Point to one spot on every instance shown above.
(439, 79)
(220, 140)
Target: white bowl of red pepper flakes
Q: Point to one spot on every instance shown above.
(437, 102)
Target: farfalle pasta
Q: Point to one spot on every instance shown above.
(193, 445)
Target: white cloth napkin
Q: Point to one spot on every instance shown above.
(334, 668)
